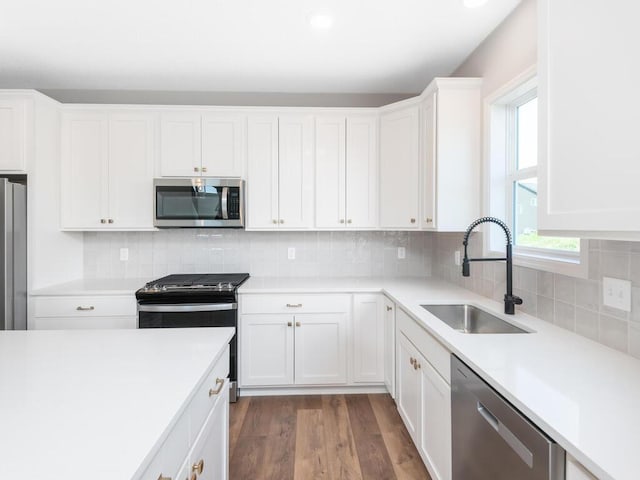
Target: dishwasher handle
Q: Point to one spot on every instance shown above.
(507, 435)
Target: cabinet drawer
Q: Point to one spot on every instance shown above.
(83, 323)
(437, 355)
(86, 306)
(295, 303)
(171, 456)
(202, 402)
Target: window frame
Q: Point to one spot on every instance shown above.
(500, 171)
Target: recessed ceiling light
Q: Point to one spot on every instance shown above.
(474, 3)
(321, 22)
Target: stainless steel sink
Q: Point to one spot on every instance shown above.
(470, 319)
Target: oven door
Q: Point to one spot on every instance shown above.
(197, 315)
(197, 202)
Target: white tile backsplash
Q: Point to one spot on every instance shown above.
(341, 254)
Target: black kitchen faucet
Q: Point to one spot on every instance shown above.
(510, 300)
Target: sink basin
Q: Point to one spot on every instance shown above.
(470, 319)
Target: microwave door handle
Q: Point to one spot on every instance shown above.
(225, 208)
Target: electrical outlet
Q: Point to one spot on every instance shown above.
(124, 254)
(616, 293)
(291, 253)
(456, 257)
(402, 253)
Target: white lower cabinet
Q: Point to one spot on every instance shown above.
(575, 471)
(389, 315)
(423, 398)
(197, 447)
(368, 339)
(293, 340)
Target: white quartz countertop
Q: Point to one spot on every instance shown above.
(80, 404)
(582, 394)
(98, 286)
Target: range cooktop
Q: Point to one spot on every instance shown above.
(189, 286)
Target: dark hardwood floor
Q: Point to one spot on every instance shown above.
(330, 437)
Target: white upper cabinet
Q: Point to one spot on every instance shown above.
(208, 144)
(279, 172)
(400, 168)
(589, 153)
(346, 172)
(450, 154)
(13, 133)
(107, 171)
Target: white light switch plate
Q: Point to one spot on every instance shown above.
(124, 254)
(456, 258)
(616, 293)
(291, 253)
(402, 253)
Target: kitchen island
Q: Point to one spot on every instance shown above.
(105, 404)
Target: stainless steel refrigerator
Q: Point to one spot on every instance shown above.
(13, 255)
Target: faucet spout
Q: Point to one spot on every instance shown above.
(510, 300)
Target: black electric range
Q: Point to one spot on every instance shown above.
(194, 300)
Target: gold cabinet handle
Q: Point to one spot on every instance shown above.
(103, 220)
(429, 220)
(416, 365)
(413, 220)
(294, 305)
(289, 324)
(198, 467)
(196, 169)
(389, 308)
(80, 308)
(220, 384)
(194, 476)
(204, 169)
(298, 324)
(412, 360)
(162, 477)
(110, 220)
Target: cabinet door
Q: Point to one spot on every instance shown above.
(12, 135)
(131, 157)
(321, 348)
(211, 449)
(330, 172)
(84, 173)
(180, 144)
(262, 172)
(589, 154)
(428, 214)
(266, 350)
(295, 185)
(399, 168)
(362, 172)
(389, 313)
(223, 145)
(368, 339)
(408, 385)
(435, 421)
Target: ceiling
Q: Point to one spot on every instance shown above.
(375, 46)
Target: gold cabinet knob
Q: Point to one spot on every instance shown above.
(281, 221)
(289, 324)
(416, 365)
(412, 360)
(204, 169)
(428, 220)
(196, 169)
(342, 220)
(216, 391)
(198, 467)
(413, 220)
(389, 308)
(110, 220)
(103, 220)
(349, 221)
(298, 324)
(275, 222)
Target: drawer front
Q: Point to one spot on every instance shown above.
(82, 323)
(171, 456)
(203, 401)
(437, 355)
(86, 306)
(295, 303)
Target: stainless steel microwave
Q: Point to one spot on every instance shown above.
(198, 202)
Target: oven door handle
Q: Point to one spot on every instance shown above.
(225, 204)
(214, 307)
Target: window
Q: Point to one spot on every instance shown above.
(512, 161)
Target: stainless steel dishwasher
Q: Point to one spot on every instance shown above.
(491, 440)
